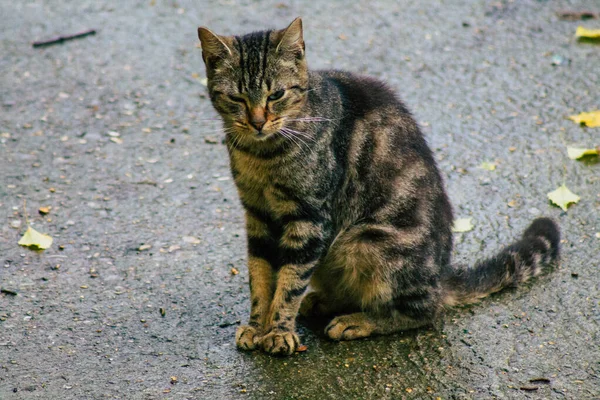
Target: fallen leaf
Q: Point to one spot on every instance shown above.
(44, 210)
(590, 119)
(575, 153)
(302, 348)
(562, 197)
(35, 240)
(234, 271)
(174, 380)
(463, 225)
(584, 33)
(191, 240)
(116, 140)
(577, 15)
(488, 165)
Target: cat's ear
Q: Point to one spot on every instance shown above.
(214, 46)
(291, 38)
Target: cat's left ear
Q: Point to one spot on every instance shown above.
(292, 39)
(214, 46)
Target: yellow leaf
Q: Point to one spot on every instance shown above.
(582, 32)
(562, 197)
(462, 225)
(488, 165)
(590, 119)
(575, 153)
(36, 240)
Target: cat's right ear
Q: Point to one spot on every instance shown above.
(214, 47)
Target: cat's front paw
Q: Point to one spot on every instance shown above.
(247, 337)
(282, 343)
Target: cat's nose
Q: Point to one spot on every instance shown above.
(258, 124)
(257, 118)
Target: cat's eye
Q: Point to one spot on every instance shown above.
(276, 95)
(237, 99)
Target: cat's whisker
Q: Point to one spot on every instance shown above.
(293, 135)
(301, 134)
(297, 141)
(310, 119)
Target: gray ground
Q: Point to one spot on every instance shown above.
(86, 323)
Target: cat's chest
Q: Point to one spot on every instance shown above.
(265, 184)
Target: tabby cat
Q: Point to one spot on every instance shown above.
(340, 190)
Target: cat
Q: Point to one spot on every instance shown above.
(340, 190)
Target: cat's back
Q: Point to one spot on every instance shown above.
(361, 95)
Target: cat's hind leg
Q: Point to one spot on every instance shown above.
(389, 274)
(364, 324)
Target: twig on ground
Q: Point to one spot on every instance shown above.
(63, 38)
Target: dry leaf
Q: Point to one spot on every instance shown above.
(234, 271)
(577, 15)
(575, 153)
(302, 348)
(590, 119)
(191, 240)
(35, 240)
(463, 225)
(562, 197)
(584, 33)
(488, 165)
(44, 210)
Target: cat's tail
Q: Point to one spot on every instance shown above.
(537, 250)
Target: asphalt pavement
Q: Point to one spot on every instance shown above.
(145, 283)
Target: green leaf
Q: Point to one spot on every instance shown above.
(562, 197)
(35, 240)
(463, 225)
(575, 153)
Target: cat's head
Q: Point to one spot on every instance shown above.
(256, 81)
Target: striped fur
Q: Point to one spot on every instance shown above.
(340, 191)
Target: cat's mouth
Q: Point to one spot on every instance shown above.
(262, 135)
